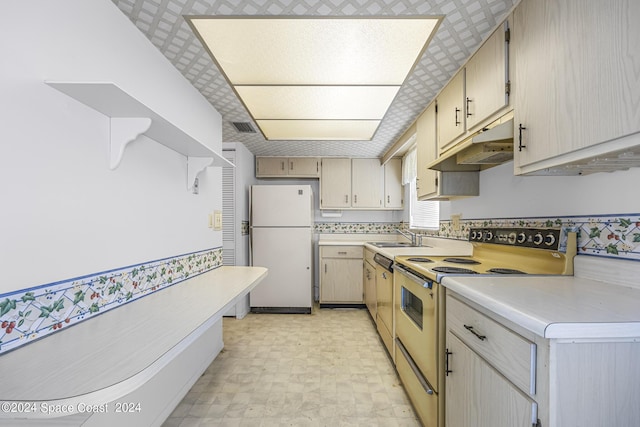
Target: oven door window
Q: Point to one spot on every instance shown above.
(412, 307)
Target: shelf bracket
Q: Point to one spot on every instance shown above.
(195, 166)
(124, 130)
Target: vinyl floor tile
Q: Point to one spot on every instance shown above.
(324, 369)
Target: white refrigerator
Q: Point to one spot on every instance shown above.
(281, 232)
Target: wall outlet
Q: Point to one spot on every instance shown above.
(217, 220)
(455, 221)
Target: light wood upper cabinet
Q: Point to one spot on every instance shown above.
(360, 184)
(435, 185)
(335, 183)
(451, 112)
(304, 167)
(486, 79)
(271, 166)
(367, 183)
(577, 82)
(426, 184)
(287, 167)
(393, 190)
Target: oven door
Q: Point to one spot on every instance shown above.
(416, 321)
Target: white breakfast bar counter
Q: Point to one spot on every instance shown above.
(129, 366)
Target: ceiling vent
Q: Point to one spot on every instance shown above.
(243, 127)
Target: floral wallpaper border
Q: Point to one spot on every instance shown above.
(355, 227)
(33, 313)
(615, 235)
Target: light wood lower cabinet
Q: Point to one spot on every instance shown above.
(499, 374)
(369, 280)
(479, 396)
(341, 275)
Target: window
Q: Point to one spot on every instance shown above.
(421, 214)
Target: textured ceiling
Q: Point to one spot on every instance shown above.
(466, 24)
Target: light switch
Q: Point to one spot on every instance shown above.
(210, 225)
(455, 222)
(217, 220)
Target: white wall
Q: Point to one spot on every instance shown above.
(64, 213)
(503, 195)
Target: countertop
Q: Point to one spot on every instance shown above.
(432, 246)
(565, 307)
(108, 353)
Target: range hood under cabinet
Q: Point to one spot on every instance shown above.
(489, 147)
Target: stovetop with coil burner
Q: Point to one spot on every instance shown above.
(514, 251)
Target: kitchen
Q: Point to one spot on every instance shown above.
(65, 201)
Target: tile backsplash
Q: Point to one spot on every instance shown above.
(615, 235)
(33, 313)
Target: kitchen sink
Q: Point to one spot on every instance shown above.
(392, 244)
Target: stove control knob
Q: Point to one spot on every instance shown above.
(473, 235)
(521, 237)
(550, 239)
(537, 239)
(511, 238)
(479, 236)
(488, 236)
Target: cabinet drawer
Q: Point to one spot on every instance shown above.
(341, 251)
(506, 351)
(368, 256)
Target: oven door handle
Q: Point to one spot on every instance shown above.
(421, 379)
(425, 283)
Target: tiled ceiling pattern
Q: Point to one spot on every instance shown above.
(466, 24)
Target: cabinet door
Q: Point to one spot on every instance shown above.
(304, 167)
(451, 112)
(576, 77)
(426, 184)
(335, 183)
(393, 190)
(341, 281)
(478, 396)
(486, 78)
(271, 166)
(367, 183)
(370, 289)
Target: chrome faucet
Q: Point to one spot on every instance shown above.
(409, 235)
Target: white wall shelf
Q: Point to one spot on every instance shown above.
(130, 118)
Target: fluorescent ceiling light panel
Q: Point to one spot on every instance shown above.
(305, 130)
(324, 68)
(317, 102)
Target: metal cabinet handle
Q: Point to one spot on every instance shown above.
(447, 371)
(355, 198)
(291, 164)
(388, 199)
(346, 198)
(342, 252)
(470, 329)
(384, 275)
(325, 268)
(457, 121)
(468, 101)
(520, 129)
(282, 165)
